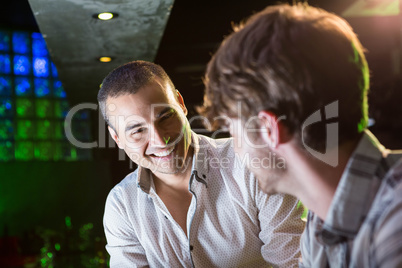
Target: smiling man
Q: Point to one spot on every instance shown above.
(188, 204)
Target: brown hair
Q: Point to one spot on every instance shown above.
(291, 60)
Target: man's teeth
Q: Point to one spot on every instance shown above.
(165, 153)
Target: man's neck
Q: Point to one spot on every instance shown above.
(316, 182)
(173, 191)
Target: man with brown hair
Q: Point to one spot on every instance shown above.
(291, 83)
(189, 204)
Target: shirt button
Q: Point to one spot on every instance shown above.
(191, 248)
(203, 175)
(166, 217)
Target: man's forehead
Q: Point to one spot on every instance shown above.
(155, 91)
(153, 111)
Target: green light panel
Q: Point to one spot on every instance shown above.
(44, 108)
(25, 107)
(62, 150)
(44, 150)
(24, 150)
(57, 152)
(6, 129)
(25, 130)
(6, 151)
(33, 103)
(44, 129)
(59, 130)
(61, 108)
(65, 151)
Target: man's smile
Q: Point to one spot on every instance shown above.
(165, 152)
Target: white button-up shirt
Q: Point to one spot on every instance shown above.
(230, 222)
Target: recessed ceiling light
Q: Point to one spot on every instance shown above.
(105, 59)
(105, 16)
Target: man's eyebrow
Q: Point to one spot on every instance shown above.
(167, 109)
(130, 127)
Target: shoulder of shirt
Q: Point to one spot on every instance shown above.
(128, 184)
(218, 146)
(393, 178)
(389, 197)
(388, 231)
(222, 150)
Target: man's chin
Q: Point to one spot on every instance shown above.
(269, 191)
(166, 171)
(267, 185)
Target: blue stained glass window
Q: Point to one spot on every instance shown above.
(38, 45)
(6, 107)
(5, 86)
(23, 86)
(54, 70)
(21, 42)
(41, 67)
(22, 65)
(58, 89)
(4, 41)
(5, 66)
(42, 88)
(33, 103)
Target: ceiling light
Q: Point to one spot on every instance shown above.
(105, 59)
(105, 15)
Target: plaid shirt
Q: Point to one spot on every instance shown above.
(363, 227)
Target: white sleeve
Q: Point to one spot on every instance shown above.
(305, 244)
(281, 228)
(122, 243)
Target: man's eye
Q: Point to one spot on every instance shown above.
(168, 115)
(138, 131)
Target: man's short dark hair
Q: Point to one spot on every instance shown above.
(128, 79)
(291, 60)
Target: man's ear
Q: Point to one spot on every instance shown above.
(270, 128)
(274, 132)
(115, 137)
(181, 102)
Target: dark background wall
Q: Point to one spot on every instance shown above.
(45, 193)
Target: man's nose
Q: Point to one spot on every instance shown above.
(158, 137)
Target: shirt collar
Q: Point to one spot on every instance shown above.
(199, 169)
(356, 190)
